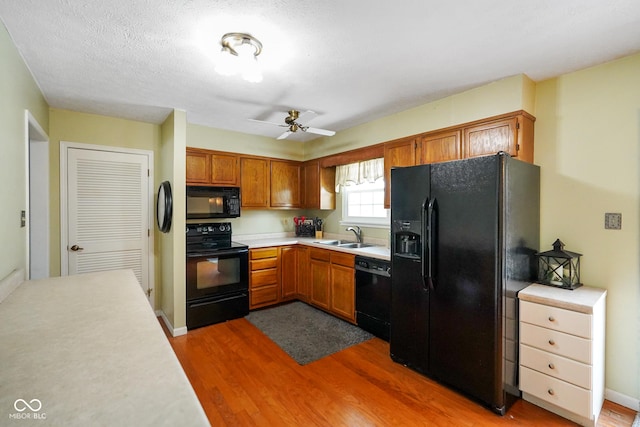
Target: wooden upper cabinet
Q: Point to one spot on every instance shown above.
(224, 169)
(254, 182)
(198, 167)
(318, 185)
(205, 167)
(285, 184)
(511, 133)
(489, 138)
(441, 147)
(401, 152)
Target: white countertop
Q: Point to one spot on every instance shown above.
(581, 300)
(91, 351)
(378, 251)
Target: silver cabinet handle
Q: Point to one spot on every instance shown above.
(76, 248)
(552, 342)
(551, 392)
(552, 366)
(551, 319)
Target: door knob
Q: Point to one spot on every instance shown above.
(76, 248)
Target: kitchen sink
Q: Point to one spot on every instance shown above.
(335, 242)
(354, 245)
(344, 243)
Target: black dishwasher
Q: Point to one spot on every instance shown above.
(373, 295)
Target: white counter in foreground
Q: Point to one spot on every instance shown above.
(88, 350)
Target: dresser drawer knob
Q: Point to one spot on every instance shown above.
(552, 342)
(551, 392)
(552, 319)
(552, 366)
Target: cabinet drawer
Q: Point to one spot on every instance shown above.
(556, 366)
(263, 296)
(566, 345)
(557, 392)
(264, 277)
(261, 264)
(568, 321)
(320, 254)
(346, 260)
(263, 253)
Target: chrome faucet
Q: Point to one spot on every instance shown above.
(356, 230)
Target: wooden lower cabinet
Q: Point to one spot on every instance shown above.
(320, 277)
(342, 290)
(288, 272)
(320, 274)
(302, 281)
(264, 280)
(333, 282)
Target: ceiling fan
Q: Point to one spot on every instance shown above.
(293, 123)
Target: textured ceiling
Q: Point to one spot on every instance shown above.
(349, 61)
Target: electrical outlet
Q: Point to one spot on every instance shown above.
(613, 221)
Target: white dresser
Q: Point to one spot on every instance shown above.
(562, 350)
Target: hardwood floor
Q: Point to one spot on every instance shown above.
(242, 378)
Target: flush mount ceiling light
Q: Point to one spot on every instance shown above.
(239, 56)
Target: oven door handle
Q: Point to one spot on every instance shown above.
(218, 254)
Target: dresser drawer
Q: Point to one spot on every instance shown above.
(566, 345)
(555, 391)
(562, 320)
(556, 366)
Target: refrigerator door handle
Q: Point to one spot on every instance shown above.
(430, 242)
(425, 255)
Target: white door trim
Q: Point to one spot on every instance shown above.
(34, 134)
(64, 232)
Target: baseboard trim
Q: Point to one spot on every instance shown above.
(622, 399)
(10, 283)
(175, 332)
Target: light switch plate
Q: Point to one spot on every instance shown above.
(613, 221)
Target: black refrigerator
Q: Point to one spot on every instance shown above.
(464, 238)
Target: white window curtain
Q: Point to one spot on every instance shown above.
(359, 173)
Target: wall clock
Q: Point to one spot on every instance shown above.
(164, 207)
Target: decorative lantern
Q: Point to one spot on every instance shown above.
(559, 267)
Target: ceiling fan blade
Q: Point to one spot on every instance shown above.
(284, 135)
(268, 123)
(306, 116)
(317, 131)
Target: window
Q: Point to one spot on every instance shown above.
(362, 186)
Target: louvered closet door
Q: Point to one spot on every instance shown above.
(108, 212)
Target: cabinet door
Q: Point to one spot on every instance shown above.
(397, 153)
(224, 169)
(311, 183)
(343, 292)
(198, 167)
(288, 271)
(441, 147)
(489, 138)
(254, 182)
(302, 281)
(320, 272)
(285, 184)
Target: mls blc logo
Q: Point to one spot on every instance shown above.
(28, 410)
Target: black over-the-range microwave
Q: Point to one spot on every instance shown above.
(212, 202)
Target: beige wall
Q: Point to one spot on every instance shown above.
(93, 129)
(18, 92)
(173, 244)
(587, 144)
